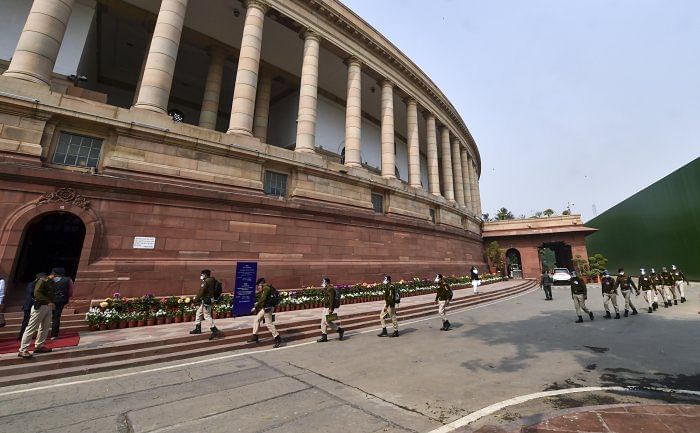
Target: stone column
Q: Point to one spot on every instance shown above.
(243, 106)
(154, 92)
(446, 164)
(413, 143)
(262, 106)
(308, 94)
(466, 179)
(353, 114)
(457, 172)
(40, 41)
(387, 131)
(212, 89)
(472, 184)
(477, 200)
(433, 167)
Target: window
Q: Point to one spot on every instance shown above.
(378, 203)
(432, 216)
(275, 184)
(77, 150)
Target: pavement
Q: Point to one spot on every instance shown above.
(516, 363)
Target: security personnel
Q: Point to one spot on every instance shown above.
(329, 293)
(40, 318)
(443, 296)
(579, 293)
(647, 285)
(389, 308)
(658, 289)
(546, 282)
(678, 279)
(264, 309)
(609, 294)
(669, 286)
(625, 283)
(62, 292)
(205, 296)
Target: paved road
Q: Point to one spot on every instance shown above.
(416, 382)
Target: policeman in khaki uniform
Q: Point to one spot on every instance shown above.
(443, 298)
(205, 296)
(625, 283)
(389, 309)
(40, 318)
(669, 286)
(264, 309)
(658, 289)
(609, 295)
(678, 279)
(579, 293)
(329, 293)
(646, 284)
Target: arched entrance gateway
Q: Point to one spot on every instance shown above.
(514, 263)
(49, 241)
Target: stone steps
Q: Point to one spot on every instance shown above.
(76, 361)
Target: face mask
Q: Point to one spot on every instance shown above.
(476, 271)
(324, 285)
(437, 279)
(201, 277)
(622, 273)
(386, 281)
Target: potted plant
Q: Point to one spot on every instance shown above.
(94, 318)
(160, 317)
(131, 320)
(150, 319)
(169, 317)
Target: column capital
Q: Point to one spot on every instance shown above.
(307, 33)
(353, 60)
(410, 100)
(427, 114)
(216, 50)
(258, 4)
(386, 83)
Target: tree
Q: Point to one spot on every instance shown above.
(597, 263)
(495, 255)
(485, 216)
(504, 214)
(581, 266)
(547, 259)
(537, 214)
(548, 212)
(566, 212)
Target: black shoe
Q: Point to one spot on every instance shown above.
(580, 320)
(278, 341)
(444, 325)
(341, 332)
(665, 304)
(447, 325)
(655, 306)
(253, 339)
(395, 334)
(607, 315)
(323, 339)
(682, 299)
(215, 333)
(590, 314)
(634, 311)
(617, 315)
(197, 330)
(651, 309)
(675, 302)
(627, 313)
(383, 333)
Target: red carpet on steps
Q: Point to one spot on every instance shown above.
(10, 345)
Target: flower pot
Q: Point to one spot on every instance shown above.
(186, 318)
(122, 324)
(229, 314)
(150, 322)
(140, 323)
(215, 315)
(160, 320)
(178, 319)
(94, 327)
(168, 320)
(103, 326)
(131, 323)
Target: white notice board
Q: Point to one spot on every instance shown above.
(144, 243)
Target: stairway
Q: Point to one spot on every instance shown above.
(77, 361)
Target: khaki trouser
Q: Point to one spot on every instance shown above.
(204, 313)
(627, 294)
(648, 294)
(39, 320)
(391, 312)
(441, 309)
(671, 292)
(268, 321)
(679, 286)
(607, 298)
(659, 290)
(580, 304)
(325, 324)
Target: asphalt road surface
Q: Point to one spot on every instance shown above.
(417, 382)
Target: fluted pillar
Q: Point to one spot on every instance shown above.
(466, 179)
(413, 143)
(387, 130)
(212, 89)
(262, 106)
(433, 167)
(446, 164)
(477, 200)
(473, 185)
(244, 91)
(353, 114)
(154, 92)
(40, 41)
(457, 172)
(308, 94)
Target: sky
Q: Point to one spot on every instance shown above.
(581, 102)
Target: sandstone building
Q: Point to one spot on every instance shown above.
(144, 140)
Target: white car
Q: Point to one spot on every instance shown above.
(561, 276)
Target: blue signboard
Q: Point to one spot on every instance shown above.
(244, 288)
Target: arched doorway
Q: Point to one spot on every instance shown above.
(514, 263)
(50, 240)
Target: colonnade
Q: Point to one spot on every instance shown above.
(43, 32)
